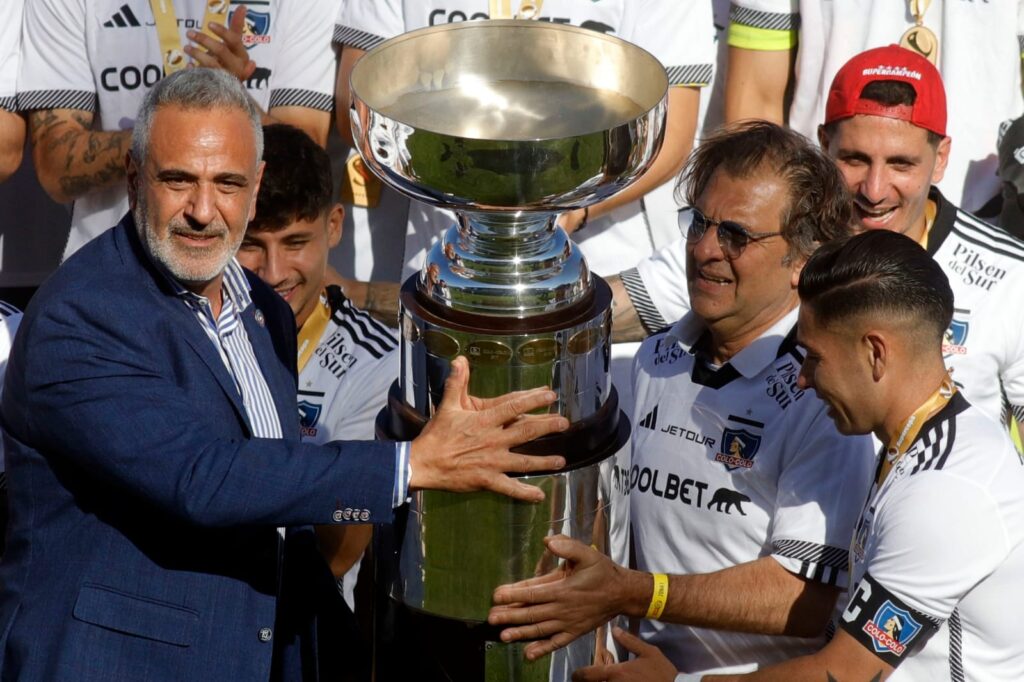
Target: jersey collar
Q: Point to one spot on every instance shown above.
(945, 215)
(750, 361)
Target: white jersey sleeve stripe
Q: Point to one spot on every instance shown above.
(57, 99)
(985, 244)
(9, 103)
(292, 97)
(648, 313)
(383, 335)
(998, 237)
(353, 37)
(956, 656)
(373, 349)
(774, 21)
(690, 75)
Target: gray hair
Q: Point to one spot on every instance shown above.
(195, 88)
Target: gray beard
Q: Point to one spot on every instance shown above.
(163, 252)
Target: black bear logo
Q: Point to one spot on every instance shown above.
(258, 79)
(724, 497)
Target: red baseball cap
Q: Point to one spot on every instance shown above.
(892, 63)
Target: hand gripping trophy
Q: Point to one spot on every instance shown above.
(508, 123)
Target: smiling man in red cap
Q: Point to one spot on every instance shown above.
(885, 126)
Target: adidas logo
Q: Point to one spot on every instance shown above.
(651, 420)
(123, 18)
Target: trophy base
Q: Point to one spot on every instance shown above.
(438, 566)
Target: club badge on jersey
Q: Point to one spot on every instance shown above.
(167, 30)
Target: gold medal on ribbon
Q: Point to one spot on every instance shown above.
(360, 187)
(919, 38)
(166, 21)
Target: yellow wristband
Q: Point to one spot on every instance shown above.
(659, 597)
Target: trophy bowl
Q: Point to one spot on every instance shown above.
(508, 123)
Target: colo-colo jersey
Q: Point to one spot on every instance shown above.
(732, 464)
(979, 51)
(938, 555)
(984, 346)
(680, 34)
(102, 56)
(345, 382)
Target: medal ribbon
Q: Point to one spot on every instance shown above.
(906, 433)
(312, 330)
(908, 430)
(170, 38)
(918, 9)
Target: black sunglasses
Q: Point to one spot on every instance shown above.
(732, 237)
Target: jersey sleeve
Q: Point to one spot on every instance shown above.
(930, 554)
(54, 72)
(363, 24)
(935, 540)
(764, 24)
(304, 61)
(10, 48)
(681, 35)
(822, 487)
(657, 286)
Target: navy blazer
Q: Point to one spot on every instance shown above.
(142, 541)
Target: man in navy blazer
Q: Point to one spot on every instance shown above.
(152, 444)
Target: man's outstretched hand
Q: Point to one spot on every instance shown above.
(586, 591)
(466, 445)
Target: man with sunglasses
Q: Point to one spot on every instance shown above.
(741, 529)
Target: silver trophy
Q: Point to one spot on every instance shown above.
(508, 123)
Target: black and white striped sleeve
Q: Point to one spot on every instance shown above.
(303, 71)
(55, 70)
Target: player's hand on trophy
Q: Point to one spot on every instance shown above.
(649, 664)
(582, 594)
(228, 53)
(466, 445)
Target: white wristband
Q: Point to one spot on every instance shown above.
(688, 677)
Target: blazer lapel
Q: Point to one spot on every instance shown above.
(128, 243)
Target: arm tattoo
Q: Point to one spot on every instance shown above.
(87, 159)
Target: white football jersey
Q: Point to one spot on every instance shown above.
(680, 34)
(735, 463)
(979, 52)
(984, 345)
(102, 56)
(345, 384)
(939, 554)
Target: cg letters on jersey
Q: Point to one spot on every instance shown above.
(444, 16)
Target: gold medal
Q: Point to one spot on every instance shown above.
(919, 38)
(360, 187)
(167, 30)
